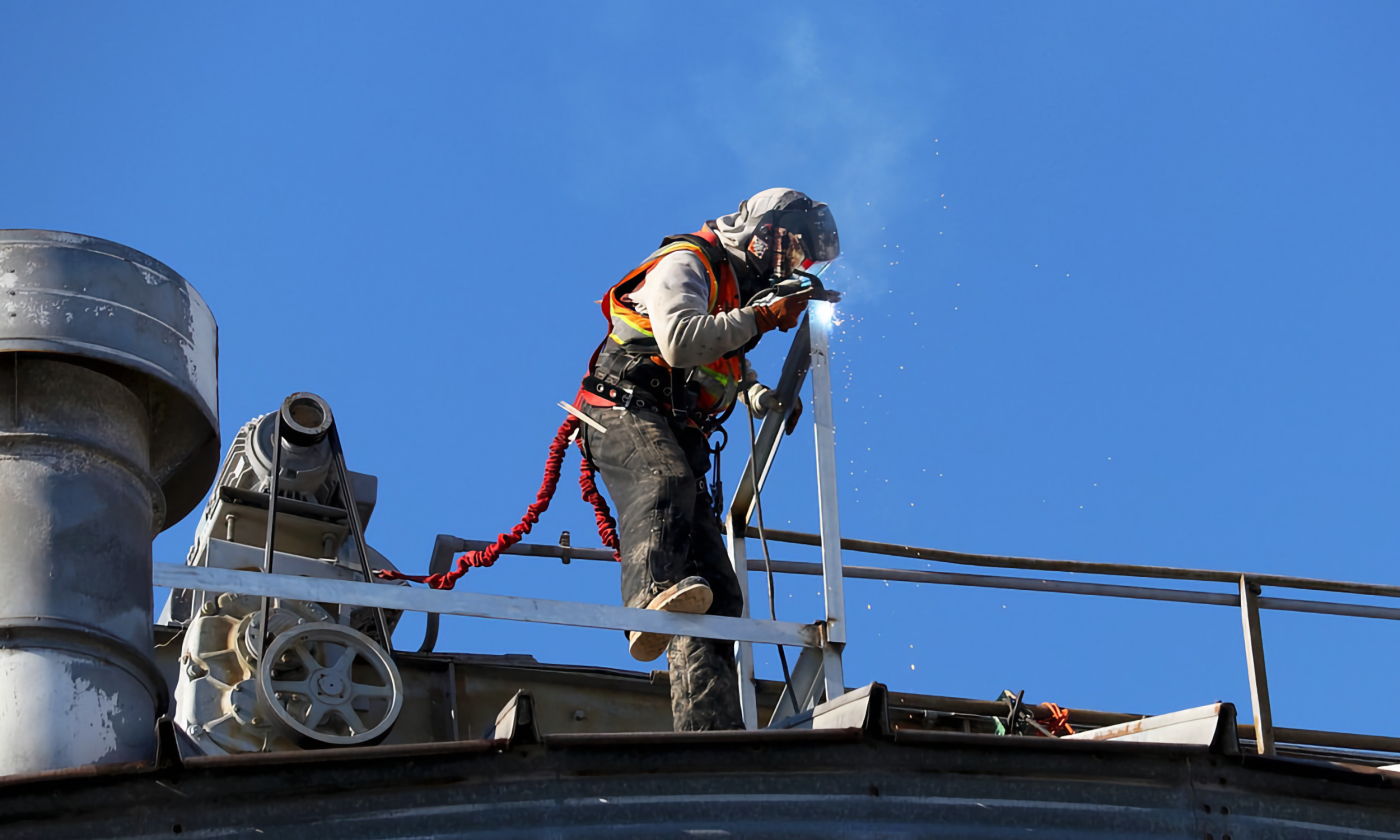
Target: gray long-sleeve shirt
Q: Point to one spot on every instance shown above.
(675, 297)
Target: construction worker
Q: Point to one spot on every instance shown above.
(669, 372)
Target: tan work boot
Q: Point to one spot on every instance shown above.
(691, 596)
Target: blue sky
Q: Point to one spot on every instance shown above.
(1121, 284)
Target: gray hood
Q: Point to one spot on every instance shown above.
(736, 229)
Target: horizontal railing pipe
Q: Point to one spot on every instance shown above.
(989, 581)
(479, 605)
(1329, 608)
(1067, 587)
(1339, 740)
(1146, 593)
(1076, 566)
(559, 552)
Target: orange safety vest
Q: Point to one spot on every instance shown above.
(631, 331)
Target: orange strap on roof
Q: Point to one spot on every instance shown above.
(1058, 722)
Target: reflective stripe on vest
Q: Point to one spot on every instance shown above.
(630, 326)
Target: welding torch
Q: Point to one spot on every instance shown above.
(800, 283)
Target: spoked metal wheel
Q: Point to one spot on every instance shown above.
(328, 685)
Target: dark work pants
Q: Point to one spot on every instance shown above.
(655, 474)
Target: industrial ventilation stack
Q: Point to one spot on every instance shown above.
(108, 434)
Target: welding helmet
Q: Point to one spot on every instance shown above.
(778, 230)
(813, 222)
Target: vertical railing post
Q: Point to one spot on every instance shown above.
(824, 424)
(741, 505)
(1254, 658)
(738, 555)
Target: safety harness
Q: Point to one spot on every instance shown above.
(628, 371)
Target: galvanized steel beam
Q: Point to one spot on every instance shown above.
(475, 604)
(1254, 659)
(743, 651)
(824, 431)
(744, 502)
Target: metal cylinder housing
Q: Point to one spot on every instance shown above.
(108, 434)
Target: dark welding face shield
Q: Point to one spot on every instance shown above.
(817, 227)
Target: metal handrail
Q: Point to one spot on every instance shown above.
(479, 605)
(1080, 567)
(1248, 599)
(1066, 587)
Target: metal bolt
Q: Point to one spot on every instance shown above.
(209, 608)
(194, 670)
(257, 721)
(579, 714)
(228, 527)
(194, 730)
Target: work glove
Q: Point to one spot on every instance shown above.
(782, 314)
(763, 399)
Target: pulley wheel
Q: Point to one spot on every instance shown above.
(306, 419)
(327, 685)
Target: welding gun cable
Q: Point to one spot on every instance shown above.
(763, 539)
